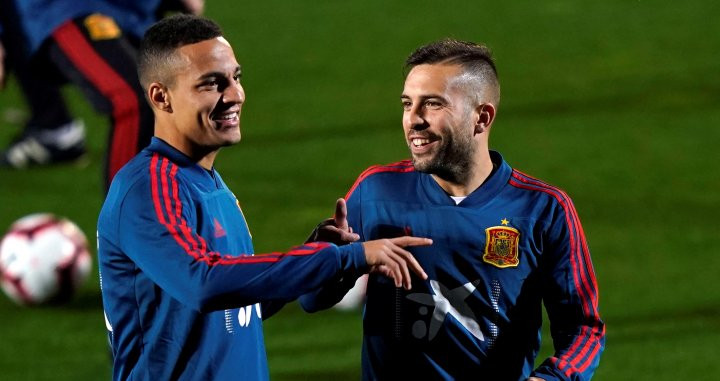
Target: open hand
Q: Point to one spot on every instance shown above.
(388, 257)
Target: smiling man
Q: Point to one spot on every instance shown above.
(183, 294)
(504, 243)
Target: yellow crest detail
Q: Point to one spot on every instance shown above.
(501, 248)
(101, 27)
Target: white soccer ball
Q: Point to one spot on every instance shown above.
(43, 258)
(355, 298)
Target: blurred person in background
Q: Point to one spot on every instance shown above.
(91, 44)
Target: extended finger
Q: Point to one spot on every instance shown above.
(411, 262)
(341, 214)
(398, 256)
(386, 271)
(345, 236)
(411, 241)
(393, 263)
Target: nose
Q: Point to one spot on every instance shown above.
(413, 119)
(234, 93)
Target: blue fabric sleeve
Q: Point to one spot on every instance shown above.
(571, 300)
(160, 237)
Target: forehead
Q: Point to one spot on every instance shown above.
(214, 55)
(431, 78)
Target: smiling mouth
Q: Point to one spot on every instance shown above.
(419, 142)
(228, 116)
(228, 119)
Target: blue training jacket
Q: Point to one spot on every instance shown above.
(511, 245)
(181, 287)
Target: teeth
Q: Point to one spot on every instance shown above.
(227, 116)
(419, 142)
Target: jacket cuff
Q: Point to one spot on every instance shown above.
(352, 258)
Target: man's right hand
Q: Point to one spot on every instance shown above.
(388, 257)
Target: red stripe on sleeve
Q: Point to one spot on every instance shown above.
(585, 289)
(583, 241)
(272, 257)
(158, 208)
(401, 166)
(201, 250)
(165, 193)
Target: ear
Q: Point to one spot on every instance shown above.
(486, 116)
(159, 97)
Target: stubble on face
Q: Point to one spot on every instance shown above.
(453, 160)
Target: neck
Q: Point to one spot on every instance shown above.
(203, 156)
(482, 168)
(208, 160)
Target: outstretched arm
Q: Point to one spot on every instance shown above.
(384, 256)
(159, 234)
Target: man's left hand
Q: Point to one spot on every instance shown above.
(335, 230)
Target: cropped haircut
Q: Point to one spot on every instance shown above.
(161, 40)
(475, 60)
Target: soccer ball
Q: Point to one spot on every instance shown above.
(43, 258)
(355, 298)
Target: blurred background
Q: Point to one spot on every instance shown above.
(616, 102)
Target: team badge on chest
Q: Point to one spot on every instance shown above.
(501, 248)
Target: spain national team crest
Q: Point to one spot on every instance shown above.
(101, 27)
(501, 249)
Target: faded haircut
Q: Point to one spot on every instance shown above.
(475, 59)
(162, 39)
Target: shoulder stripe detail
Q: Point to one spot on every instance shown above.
(400, 166)
(168, 210)
(587, 344)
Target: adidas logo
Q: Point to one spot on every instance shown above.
(219, 231)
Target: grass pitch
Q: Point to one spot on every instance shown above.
(615, 102)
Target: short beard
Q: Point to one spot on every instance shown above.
(453, 161)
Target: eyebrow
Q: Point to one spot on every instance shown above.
(423, 97)
(213, 74)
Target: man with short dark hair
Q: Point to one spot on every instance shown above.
(504, 243)
(183, 294)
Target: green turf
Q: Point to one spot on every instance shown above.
(614, 101)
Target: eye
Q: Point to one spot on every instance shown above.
(209, 84)
(237, 78)
(432, 104)
(406, 105)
